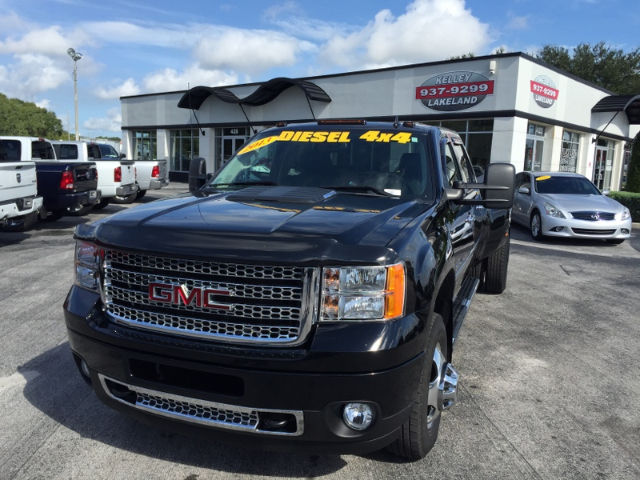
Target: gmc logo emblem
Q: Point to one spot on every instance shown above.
(180, 295)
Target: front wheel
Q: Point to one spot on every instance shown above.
(419, 433)
(536, 226)
(495, 279)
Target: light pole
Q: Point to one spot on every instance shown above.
(75, 56)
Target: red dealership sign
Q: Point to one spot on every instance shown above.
(544, 91)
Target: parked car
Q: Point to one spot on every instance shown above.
(66, 187)
(151, 175)
(568, 205)
(19, 200)
(115, 175)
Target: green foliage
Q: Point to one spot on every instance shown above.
(20, 118)
(611, 68)
(631, 200)
(465, 55)
(633, 174)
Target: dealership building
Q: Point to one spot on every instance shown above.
(507, 108)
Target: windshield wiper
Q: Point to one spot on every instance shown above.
(360, 189)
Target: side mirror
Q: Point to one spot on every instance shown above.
(524, 190)
(499, 181)
(197, 174)
(123, 156)
(497, 188)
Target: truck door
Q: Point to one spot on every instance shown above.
(462, 226)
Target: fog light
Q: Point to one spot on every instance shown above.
(357, 416)
(557, 229)
(624, 231)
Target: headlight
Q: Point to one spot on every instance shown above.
(624, 215)
(87, 261)
(363, 293)
(552, 211)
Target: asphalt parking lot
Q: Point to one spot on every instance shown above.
(550, 384)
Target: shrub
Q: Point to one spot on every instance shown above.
(631, 200)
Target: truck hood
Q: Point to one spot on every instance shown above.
(301, 228)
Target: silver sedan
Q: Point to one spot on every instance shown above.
(567, 205)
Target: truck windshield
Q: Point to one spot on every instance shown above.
(362, 160)
(565, 185)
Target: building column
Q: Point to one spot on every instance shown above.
(509, 141)
(206, 147)
(554, 148)
(162, 145)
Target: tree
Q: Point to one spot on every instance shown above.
(610, 68)
(27, 119)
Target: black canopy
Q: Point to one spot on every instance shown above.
(266, 92)
(630, 104)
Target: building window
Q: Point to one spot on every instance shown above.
(603, 165)
(534, 147)
(569, 151)
(477, 136)
(185, 145)
(145, 145)
(229, 140)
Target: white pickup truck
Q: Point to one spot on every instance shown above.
(19, 200)
(150, 175)
(116, 176)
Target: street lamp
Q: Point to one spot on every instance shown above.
(75, 56)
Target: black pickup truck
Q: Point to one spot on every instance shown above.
(307, 296)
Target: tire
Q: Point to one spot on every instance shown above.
(536, 226)
(495, 279)
(51, 216)
(123, 200)
(25, 223)
(419, 433)
(140, 194)
(101, 204)
(615, 241)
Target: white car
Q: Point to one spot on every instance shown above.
(568, 205)
(116, 177)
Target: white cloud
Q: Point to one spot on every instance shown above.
(45, 41)
(428, 30)
(31, 74)
(44, 103)
(518, 22)
(128, 87)
(250, 51)
(170, 79)
(110, 123)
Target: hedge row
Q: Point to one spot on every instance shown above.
(630, 200)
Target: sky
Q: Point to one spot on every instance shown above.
(133, 47)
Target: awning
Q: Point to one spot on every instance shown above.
(630, 104)
(266, 92)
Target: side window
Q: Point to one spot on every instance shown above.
(93, 152)
(465, 164)
(452, 169)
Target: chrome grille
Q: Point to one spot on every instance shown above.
(593, 216)
(203, 412)
(258, 303)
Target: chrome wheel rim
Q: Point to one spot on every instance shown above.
(438, 365)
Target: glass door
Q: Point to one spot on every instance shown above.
(533, 148)
(230, 140)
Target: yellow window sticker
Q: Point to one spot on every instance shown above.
(544, 177)
(386, 137)
(263, 142)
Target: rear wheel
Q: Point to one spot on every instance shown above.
(141, 193)
(536, 226)
(419, 433)
(495, 279)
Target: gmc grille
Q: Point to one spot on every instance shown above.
(262, 304)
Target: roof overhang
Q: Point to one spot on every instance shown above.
(630, 104)
(266, 92)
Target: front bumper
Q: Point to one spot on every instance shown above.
(153, 376)
(19, 207)
(571, 227)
